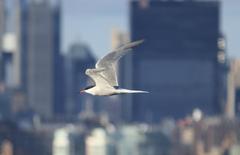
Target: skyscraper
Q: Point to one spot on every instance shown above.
(7, 68)
(2, 21)
(178, 63)
(2, 30)
(113, 104)
(39, 37)
(9, 55)
(232, 108)
(77, 60)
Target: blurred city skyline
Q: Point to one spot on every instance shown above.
(193, 107)
(82, 20)
(198, 35)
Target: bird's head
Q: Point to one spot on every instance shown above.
(82, 91)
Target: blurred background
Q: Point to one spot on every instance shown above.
(189, 63)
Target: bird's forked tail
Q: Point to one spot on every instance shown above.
(127, 91)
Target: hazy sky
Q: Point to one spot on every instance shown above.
(92, 22)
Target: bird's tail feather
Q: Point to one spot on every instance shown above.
(126, 91)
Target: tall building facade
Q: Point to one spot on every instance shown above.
(178, 63)
(77, 60)
(41, 69)
(2, 21)
(2, 30)
(232, 108)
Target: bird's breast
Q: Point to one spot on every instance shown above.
(101, 91)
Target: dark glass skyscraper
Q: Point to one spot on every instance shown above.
(77, 60)
(178, 62)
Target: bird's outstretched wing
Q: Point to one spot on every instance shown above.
(109, 61)
(98, 79)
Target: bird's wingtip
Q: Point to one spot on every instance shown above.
(140, 41)
(135, 43)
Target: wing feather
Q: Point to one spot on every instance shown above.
(98, 79)
(109, 62)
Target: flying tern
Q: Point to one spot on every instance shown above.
(104, 74)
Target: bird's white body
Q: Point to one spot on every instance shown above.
(110, 91)
(104, 75)
(99, 91)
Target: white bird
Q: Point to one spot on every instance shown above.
(104, 74)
